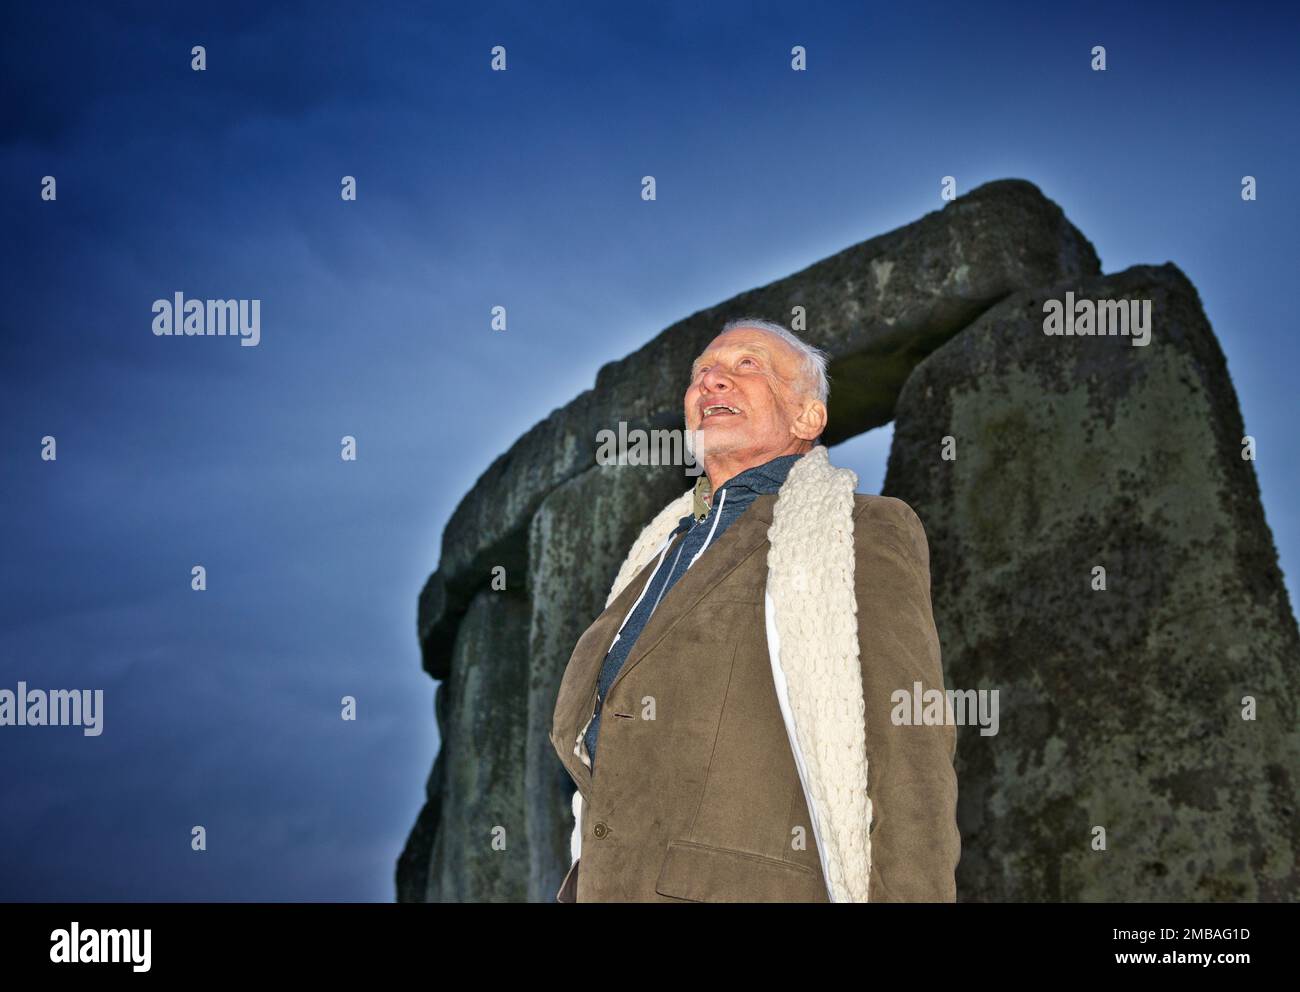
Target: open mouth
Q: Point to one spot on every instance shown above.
(716, 410)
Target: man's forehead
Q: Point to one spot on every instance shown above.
(755, 340)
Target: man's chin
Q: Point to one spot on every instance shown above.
(716, 440)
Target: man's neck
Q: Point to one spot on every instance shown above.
(723, 468)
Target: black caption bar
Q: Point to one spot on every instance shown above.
(142, 942)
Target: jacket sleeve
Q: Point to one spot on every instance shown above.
(911, 781)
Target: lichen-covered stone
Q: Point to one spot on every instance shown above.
(412, 873)
(1119, 708)
(480, 848)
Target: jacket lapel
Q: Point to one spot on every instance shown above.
(745, 535)
(577, 690)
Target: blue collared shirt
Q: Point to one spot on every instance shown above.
(702, 528)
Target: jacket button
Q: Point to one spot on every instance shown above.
(600, 830)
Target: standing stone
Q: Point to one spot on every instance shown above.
(417, 853)
(482, 753)
(1120, 708)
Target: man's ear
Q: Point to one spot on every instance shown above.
(811, 421)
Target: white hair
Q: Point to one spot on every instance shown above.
(813, 378)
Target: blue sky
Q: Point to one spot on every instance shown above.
(475, 189)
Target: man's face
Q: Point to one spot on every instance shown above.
(756, 374)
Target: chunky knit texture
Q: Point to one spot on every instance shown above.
(810, 590)
(810, 582)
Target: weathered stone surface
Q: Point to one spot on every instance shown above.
(1119, 708)
(579, 537)
(413, 864)
(877, 308)
(481, 709)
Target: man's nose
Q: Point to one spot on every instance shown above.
(715, 381)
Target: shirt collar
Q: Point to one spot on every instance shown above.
(757, 479)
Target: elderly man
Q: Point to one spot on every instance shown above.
(727, 718)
